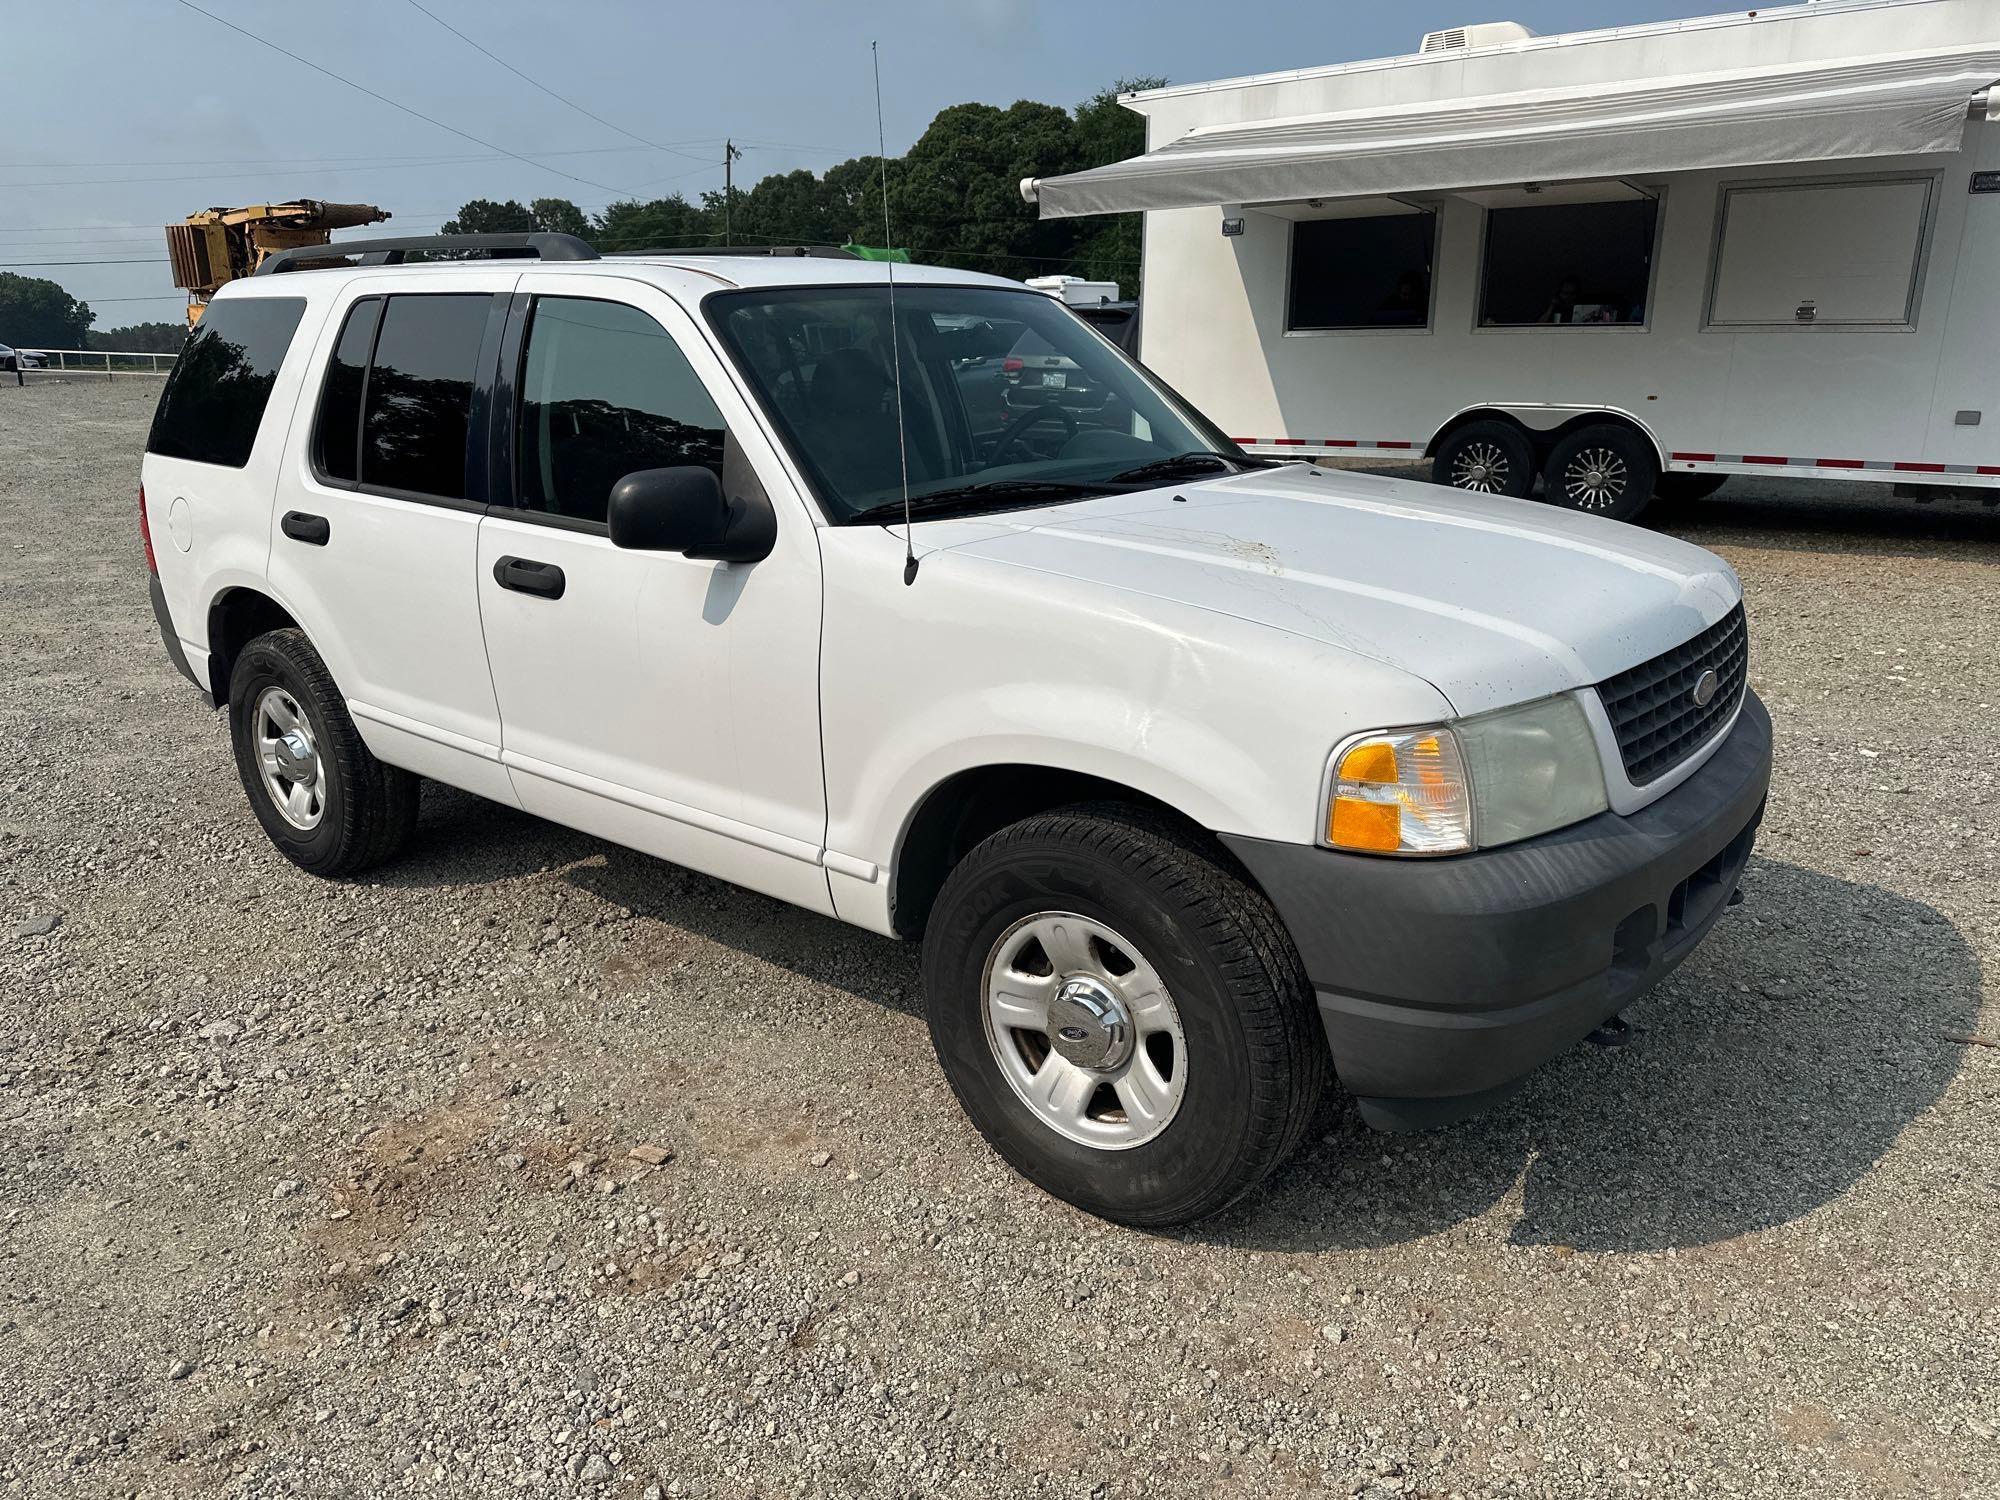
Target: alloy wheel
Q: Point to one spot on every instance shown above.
(1084, 1031)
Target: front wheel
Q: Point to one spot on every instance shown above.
(1123, 1019)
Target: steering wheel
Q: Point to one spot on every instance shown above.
(1011, 433)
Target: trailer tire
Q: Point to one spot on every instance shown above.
(1602, 470)
(1488, 458)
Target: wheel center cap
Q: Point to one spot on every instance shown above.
(1089, 1026)
(296, 761)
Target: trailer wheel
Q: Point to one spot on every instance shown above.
(1605, 470)
(1489, 458)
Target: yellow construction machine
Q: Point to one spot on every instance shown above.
(218, 245)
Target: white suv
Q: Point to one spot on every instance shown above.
(1193, 773)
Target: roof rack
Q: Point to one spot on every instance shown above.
(815, 252)
(391, 252)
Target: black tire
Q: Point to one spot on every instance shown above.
(1256, 1058)
(367, 810)
(1493, 458)
(1601, 470)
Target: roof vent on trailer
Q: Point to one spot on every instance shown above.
(1461, 38)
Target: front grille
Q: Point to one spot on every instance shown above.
(1652, 707)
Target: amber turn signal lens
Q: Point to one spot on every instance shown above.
(1400, 792)
(1376, 827)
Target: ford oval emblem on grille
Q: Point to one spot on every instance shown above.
(1705, 688)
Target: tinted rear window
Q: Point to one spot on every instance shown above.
(337, 430)
(419, 400)
(214, 400)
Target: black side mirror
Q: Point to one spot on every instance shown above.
(683, 510)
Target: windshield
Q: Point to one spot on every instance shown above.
(1008, 399)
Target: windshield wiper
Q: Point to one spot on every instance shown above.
(1177, 464)
(961, 497)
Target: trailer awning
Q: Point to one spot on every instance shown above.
(1908, 104)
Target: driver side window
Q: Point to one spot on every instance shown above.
(605, 392)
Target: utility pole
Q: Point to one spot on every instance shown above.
(729, 156)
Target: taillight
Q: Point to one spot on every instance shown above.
(1011, 365)
(146, 533)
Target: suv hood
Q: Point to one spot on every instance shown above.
(1491, 601)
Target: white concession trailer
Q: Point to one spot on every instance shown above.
(1756, 242)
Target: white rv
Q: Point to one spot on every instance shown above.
(1655, 255)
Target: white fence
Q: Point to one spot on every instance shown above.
(108, 363)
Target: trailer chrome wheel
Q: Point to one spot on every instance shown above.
(1604, 470)
(1595, 479)
(1084, 1031)
(1481, 467)
(1487, 458)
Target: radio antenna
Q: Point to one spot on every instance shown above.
(895, 334)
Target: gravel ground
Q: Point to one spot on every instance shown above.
(352, 1189)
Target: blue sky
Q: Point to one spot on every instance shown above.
(125, 114)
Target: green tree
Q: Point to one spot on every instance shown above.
(954, 200)
(559, 216)
(664, 223)
(483, 216)
(39, 314)
(141, 338)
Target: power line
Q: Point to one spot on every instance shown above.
(534, 83)
(404, 166)
(151, 260)
(393, 104)
(308, 161)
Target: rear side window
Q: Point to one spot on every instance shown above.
(337, 430)
(606, 392)
(214, 400)
(417, 403)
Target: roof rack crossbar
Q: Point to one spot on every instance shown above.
(391, 252)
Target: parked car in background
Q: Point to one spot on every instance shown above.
(20, 359)
(1196, 775)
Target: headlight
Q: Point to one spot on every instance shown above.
(1533, 769)
(1480, 782)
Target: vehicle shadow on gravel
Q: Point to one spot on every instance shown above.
(466, 840)
(1776, 1067)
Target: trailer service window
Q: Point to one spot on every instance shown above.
(1370, 272)
(1584, 263)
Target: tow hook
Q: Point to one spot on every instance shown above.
(1616, 1032)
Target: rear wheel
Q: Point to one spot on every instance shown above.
(1123, 1019)
(1489, 458)
(328, 804)
(1605, 470)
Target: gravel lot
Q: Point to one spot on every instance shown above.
(330, 1189)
